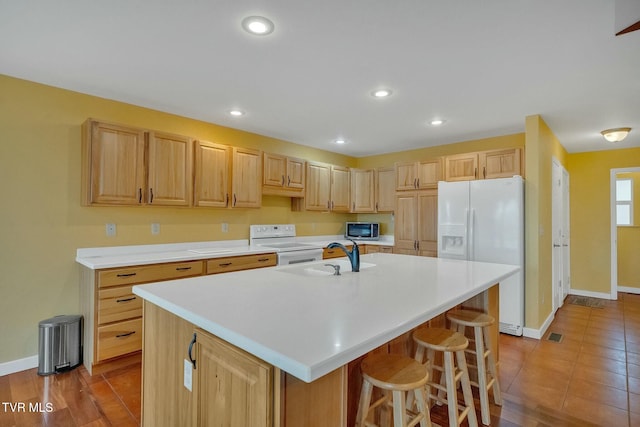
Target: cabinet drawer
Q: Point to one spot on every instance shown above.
(246, 262)
(334, 253)
(148, 273)
(119, 339)
(118, 303)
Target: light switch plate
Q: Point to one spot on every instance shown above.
(110, 230)
(155, 228)
(188, 374)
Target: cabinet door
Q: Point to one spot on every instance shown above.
(406, 176)
(461, 167)
(429, 173)
(363, 190)
(275, 170)
(385, 189)
(406, 227)
(113, 164)
(170, 170)
(231, 387)
(500, 163)
(246, 178)
(211, 174)
(340, 189)
(428, 222)
(318, 187)
(295, 173)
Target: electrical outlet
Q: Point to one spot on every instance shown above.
(111, 230)
(225, 227)
(155, 228)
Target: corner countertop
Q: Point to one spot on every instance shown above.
(126, 256)
(309, 325)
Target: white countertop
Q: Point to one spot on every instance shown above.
(310, 325)
(124, 256)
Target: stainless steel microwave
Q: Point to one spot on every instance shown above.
(362, 230)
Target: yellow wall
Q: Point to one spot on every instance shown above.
(41, 220)
(629, 240)
(541, 146)
(591, 216)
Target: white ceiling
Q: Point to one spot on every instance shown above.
(483, 66)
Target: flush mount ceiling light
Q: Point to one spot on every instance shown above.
(381, 93)
(339, 141)
(616, 134)
(436, 122)
(236, 113)
(257, 25)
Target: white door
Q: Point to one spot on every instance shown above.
(560, 234)
(566, 240)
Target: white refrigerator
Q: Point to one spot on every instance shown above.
(484, 221)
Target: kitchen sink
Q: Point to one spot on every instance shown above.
(318, 269)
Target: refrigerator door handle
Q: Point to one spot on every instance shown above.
(472, 216)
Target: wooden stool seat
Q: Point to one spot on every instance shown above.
(398, 374)
(485, 363)
(450, 343)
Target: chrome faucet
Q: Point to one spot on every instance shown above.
(353, 255)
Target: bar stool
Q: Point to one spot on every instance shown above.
(449, 343)
(398, 374)
(485, 362)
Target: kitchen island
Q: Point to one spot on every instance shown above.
(277, 346)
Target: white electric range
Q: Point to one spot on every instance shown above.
(282, 239)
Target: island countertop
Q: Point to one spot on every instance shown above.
(309, 325)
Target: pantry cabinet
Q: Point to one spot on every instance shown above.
(483, 165)
(416, 227)
(327, 187)
(418, 175)
(363, 190)
(282, 175)
(127, 166)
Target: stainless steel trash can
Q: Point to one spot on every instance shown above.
(60, 344)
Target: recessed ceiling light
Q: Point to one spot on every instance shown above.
(236, 113)
(381, 93)
(340, 141)
(257, 25)
(436, 122)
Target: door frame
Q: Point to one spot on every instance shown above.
(614, 228)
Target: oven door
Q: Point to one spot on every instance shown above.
(296, 257)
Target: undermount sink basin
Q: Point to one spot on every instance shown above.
(325, 270)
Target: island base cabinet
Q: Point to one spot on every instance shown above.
(230, 386)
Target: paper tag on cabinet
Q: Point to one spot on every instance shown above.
(188, 374)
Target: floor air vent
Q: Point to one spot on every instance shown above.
(554, 337)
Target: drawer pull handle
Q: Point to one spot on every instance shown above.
(125, 299)
(125, 334)
(127, 274)
(225, 264)
(263, 259)
(183, 268)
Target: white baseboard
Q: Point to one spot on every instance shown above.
(13, 366)
(539, 333)
(592, 294)
(628, 290)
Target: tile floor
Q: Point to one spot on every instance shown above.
(592, 374)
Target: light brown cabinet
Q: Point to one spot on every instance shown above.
(212, 173)
(385, 189)
(230, 386)
(483, 165)
(327, 187)
(283, 176)
(246, 178)
(363, 190)
(374, 249)
(418, 175)
(416, 228)
(237, 263)
(328, 253)
(128, 166)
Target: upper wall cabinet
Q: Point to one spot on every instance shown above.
(418, 175)
(363, 190)
(483, 165)
(283, 176)
(212, 173)
(127, 166)
(385, 189)
(246, 178)
(327, 188)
